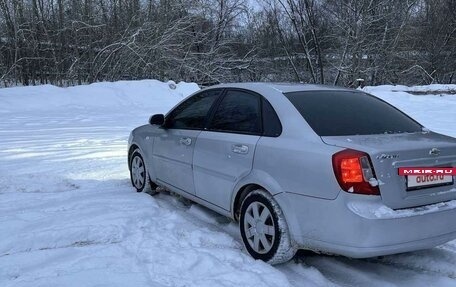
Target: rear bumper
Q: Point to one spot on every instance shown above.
(361, 226)
(366, 252)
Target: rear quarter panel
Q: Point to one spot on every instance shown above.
(298, 166)
(298, 160)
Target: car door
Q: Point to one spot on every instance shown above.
(173, 147)
(224, 151)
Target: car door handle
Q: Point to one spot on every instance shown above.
(240, 148)
(186, 141)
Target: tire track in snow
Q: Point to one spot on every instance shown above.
(325, 270)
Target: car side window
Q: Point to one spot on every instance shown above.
(192, 113)
(271, 123)
(238, 112)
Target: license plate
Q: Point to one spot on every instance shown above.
(423, 181)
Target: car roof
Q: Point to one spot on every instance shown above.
(281, 87)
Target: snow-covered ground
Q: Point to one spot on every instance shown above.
(69, 216)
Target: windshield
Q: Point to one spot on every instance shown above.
(340, 113)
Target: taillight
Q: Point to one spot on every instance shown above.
(354, 172)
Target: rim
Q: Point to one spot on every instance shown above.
(138, 172)
(259, 227)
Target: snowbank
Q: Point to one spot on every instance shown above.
(435, 110)
(129, 95)
(431, 89)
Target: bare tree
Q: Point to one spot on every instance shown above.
(209, 41)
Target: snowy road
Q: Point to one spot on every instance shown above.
(69, 216)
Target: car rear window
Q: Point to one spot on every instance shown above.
(341, 113)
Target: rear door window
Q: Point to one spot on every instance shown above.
(341, 113)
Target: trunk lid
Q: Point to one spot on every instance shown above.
(391, 151)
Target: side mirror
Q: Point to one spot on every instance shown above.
(158, 119)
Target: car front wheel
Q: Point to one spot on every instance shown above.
(139, 175)
(264, 230)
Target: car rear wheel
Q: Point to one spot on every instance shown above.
(139, 176)
(264, 230)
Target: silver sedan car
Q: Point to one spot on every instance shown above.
(302, 167)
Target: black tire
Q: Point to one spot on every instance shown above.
(281, 248)
(146, 185)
